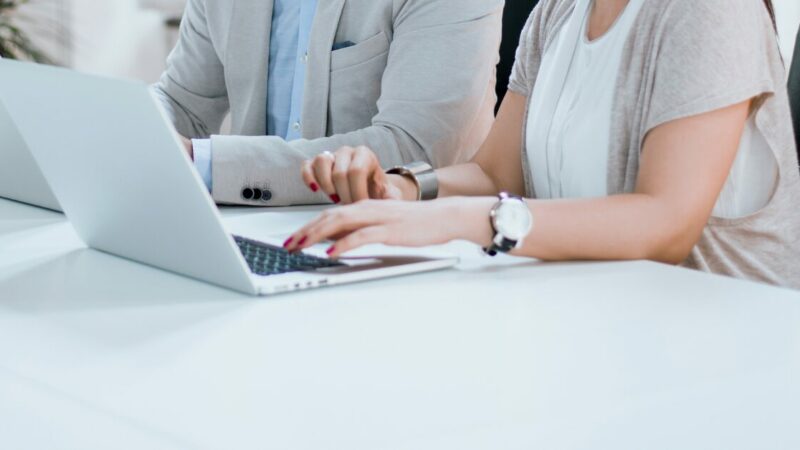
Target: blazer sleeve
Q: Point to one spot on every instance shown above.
(192, 89)
(438, 86)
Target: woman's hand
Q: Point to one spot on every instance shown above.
(407, 224)
(353, 174)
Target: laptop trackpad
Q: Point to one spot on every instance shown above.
(359, 264)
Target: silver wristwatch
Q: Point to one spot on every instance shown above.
(423, 176)
(511, 221)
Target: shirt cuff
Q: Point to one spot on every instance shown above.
(202, 160)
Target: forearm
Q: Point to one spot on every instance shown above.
(496, 166)
(623, 227)
(465, 180)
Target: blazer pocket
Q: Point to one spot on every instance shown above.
(362, 52)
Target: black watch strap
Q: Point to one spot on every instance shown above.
(505, 246)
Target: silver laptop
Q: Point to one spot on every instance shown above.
(20, 177)
(121, 175)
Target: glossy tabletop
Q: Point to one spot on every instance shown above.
(100, 352)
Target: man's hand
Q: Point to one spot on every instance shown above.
(189, 147)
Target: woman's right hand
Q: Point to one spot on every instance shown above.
(353, 174)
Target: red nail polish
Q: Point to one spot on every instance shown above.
(336, 198)
(330, 251)
(302, 241)
(288, 241)
(314, 187)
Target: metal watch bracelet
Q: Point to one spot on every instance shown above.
(423, 176)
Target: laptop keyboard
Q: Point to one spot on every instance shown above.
(265, 259)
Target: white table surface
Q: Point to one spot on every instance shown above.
(98, 352)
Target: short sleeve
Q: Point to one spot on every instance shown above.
(712, 54)
(529, 54)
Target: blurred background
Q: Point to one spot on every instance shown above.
(132, 38)
(121, 38)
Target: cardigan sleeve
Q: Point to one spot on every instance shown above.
(711, 54)
(529, 52)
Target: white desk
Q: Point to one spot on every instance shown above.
(97, 352)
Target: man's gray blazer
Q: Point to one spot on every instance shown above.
(417, 85)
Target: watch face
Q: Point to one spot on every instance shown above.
(513, 220)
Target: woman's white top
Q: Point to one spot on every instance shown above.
(569, 121)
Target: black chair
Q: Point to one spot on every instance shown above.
(514, 17)
(794, 92)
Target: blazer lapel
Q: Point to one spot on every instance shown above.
(247, 59)
(318, 70)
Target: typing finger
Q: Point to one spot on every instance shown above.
(336, 223)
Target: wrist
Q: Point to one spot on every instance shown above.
(408, 189)
(471, 217)
(423, 176)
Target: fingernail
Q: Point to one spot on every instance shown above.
(288, 241)
(335, 198)
(314, 187)
(302, 241)
(331, 250)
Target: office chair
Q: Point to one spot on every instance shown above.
(794, 92)
(514, 17)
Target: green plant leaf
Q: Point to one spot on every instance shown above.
(14, 43)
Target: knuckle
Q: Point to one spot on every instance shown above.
(346, 215)
(342, 151)
(356, 171)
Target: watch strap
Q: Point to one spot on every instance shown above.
(423, 176)
(503, 246)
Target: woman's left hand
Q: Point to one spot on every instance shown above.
(407, 224)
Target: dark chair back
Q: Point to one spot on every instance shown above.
(794, 92)
(514, 17)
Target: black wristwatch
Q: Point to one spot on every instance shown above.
(511, 221)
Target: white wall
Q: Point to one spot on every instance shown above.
(127, 38)
(118, 38)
